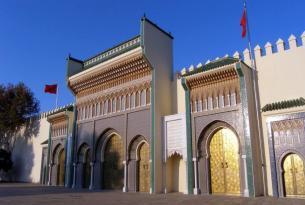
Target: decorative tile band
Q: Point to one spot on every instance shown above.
(113, 52)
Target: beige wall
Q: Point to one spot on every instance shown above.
(180, 97)
(27, 153)
(281, 74)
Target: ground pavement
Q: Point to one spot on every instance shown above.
(33, 194)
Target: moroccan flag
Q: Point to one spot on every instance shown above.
(50, 89)
(243, 23)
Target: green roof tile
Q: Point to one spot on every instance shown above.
(212, 65)
(284, 104)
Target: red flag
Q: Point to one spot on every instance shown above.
(243, 23)
(50, 89)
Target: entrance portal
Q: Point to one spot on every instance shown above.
(224, 163)
(294, 180)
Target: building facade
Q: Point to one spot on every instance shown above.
(216, 128)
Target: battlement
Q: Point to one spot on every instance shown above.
(280, 47)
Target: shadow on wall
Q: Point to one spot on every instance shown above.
(113, 171)
(23, 153)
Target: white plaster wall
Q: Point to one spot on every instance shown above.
(27, 153)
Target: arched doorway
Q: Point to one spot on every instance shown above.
(294, 179)
(224, 162)
(113, 170)
(143, 168)
(87, 169)
(175, 174)
(61, 168)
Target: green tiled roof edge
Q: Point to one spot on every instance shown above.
(284, 104)
(212, 65)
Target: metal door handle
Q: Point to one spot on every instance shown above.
(227, 166)
(222, 166)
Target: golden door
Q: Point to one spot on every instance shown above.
(144, 169)
(113, 176)
(87, 170)
(224, 163)
(294, 180)
(61, 168)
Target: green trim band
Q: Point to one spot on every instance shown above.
(152, 139)
(190, 171)
(246, 125)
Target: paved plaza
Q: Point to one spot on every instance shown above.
(32, 194)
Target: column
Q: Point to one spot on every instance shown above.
(91, 186)
(50, 173)
(246, 191)
(196, 189)
(74, 175)
(125, 176)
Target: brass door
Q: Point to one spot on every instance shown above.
(87, 170)
(61, 168)
(144, 169)
(294, 180)
(113, 170)
(224, 163)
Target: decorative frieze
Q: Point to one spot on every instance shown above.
(214, 91)
(288, 132)
(114, 103)
(59, 129)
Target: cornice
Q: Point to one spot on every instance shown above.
(57, 118)
(101, 67)
(218, 75)
(128, 70)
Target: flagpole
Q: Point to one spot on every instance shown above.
(56, 101)
(257, 104)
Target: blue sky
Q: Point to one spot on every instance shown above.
(37, 36)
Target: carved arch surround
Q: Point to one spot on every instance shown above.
(83, 150)
(207, 134)
(134, 145)
(102, 142)
(280, 167)
(56, 152)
